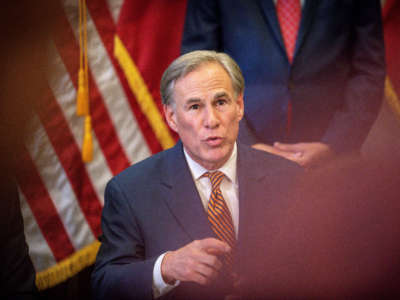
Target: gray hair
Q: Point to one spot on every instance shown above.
(189, 62)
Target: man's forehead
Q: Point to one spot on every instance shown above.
(203, 68)
(206, 76)
(217, 95)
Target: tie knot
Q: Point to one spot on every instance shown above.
(215, 178)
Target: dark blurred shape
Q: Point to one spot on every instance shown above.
(24, 28)
(337, 236)
(17, 276)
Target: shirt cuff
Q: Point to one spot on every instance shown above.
(160, 287)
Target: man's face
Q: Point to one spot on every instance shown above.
(206, 114)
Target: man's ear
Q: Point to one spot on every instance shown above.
(169, 113)
(240, 103)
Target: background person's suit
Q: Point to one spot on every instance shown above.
(154, 207)
(335, 82)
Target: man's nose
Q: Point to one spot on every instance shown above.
(211, 119)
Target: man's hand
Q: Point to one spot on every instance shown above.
(305, 154)
(195, 262)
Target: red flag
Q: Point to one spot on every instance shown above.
(148, 38)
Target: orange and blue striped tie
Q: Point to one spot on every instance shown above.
(219, 215)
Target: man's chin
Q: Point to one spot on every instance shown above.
(217, 161)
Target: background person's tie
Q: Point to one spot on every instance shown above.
(289, 16)
(220, 216)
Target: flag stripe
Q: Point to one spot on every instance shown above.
(42, 207)
(65, 94)
(69, 155)
(58, 187)
(68, 49)
(144, 98)
(115, 8)
(39, 251)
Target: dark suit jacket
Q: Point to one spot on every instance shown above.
(17, 275)
(336, 80)
(153, 207)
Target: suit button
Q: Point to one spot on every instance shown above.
(290, 85)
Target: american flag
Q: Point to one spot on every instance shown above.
(130, 43)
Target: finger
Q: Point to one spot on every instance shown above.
(211, 260)
(293, 156)
(197, 278)
(212, 245)
(288, 147)
(273, 150)
(264, 147)
(207, 272)
(199, 273)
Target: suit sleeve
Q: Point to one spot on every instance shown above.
(121, 270)
(202, 28)
(364, 91)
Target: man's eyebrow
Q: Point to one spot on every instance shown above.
(192, 100)
(220, 95)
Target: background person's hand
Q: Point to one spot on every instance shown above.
(305, 154)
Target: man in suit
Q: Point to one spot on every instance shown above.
(314, 70)
(169, 229)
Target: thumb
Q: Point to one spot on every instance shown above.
(214, 246)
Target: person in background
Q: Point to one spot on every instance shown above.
(314, 70)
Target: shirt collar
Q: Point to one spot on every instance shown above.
(229, 168)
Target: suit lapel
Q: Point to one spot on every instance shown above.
(183, 199)
(308, 13)
(307, 16)
(269, 10)
(249, 176)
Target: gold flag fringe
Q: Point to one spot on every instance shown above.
(68, 267)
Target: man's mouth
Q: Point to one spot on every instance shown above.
(213, 141)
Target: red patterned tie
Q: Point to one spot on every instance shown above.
(219, 214)
(289, 15)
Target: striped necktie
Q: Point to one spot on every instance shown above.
(220, 216)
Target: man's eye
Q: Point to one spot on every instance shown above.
(194, 106)
(221, 102)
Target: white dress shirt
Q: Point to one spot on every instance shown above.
(230, 191)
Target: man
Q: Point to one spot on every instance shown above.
(314, 70)
(169, 230)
